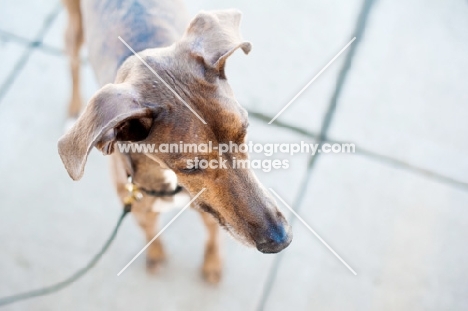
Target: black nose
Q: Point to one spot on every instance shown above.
(277, 238)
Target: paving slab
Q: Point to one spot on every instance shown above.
(25, 18)
(403, 234)
(51, 226)
(10, 54)
(406, 93)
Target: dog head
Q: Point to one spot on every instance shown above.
(184, 96)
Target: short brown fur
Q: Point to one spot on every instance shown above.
(133, 105)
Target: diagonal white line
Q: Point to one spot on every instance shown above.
(313, 79)
(160, 232)
(164, 82)
(315, 233)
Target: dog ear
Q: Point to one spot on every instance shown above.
(215, 35)
(113, 114)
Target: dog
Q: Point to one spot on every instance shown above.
(134, 106)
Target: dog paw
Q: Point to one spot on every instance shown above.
(212, 276)
(153, 265)
(212, 269)
(155, 257)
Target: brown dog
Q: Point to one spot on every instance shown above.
(133, 105)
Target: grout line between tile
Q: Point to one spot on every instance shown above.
(265, 118)
(418, 170)
(25, 56)
(7, 36)
(342, 76)
(277, 259)
(358, 33)
(369, 154)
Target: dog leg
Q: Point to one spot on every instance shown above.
(73, 42)
(212, 264)
(147, 219)
(142, 211)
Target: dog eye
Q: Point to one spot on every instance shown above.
(190, 170)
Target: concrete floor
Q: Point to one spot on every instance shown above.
(396, 211)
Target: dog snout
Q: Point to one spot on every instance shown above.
(275, 238)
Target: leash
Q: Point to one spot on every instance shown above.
(134, 194)
(78, 274)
